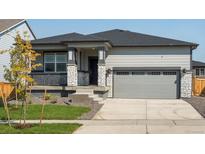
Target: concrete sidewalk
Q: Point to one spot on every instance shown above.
(143, 127)
(132, 126)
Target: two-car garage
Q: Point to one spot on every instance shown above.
(146, 84)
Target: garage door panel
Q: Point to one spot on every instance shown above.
(146, 84)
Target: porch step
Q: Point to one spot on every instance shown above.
(84, 91)
(90, 93)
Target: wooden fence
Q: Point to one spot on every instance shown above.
(198, 86)
(7, 89)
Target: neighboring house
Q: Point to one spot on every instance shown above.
(198, 68)
(116, 63)
(8, 30)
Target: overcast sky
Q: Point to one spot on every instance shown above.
(186, 30)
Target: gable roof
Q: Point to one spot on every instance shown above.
(198, 63)
(7, 23)
(116, 37)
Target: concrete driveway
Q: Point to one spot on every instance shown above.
(172, 109)
(134, 116)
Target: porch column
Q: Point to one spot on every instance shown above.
(72, 78)
(101, 67)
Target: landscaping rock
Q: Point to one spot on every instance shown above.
(198, 103)
(34, 100)
(64, 100)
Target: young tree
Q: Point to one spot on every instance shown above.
(22, 62)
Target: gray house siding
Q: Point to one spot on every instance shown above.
(6, 42)
(149, 57)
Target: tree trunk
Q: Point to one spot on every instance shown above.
(16, 96)
(42, 108)
(24, 112)
(21, 112)
(25, 104)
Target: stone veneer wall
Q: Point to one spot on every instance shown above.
(72, 79)
(101, 75)
(109, 83)
(186, 84)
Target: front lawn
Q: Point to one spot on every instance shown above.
(51, 111)
(44, 129)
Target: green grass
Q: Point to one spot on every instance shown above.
(44, 129)
(51, 111)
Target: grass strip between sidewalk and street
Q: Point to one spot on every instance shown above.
(44, 129)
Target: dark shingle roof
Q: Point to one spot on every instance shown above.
(70, 37)
(198, 64)
(7, 23)
(126, 38)
(116, 37)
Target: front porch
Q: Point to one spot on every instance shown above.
(69, 88)
(72, 67)
(76, 94)
(86, 66)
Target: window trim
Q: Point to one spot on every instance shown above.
(55, 62)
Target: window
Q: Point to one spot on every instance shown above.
(39, 60)
(138, 73)
(50, 62)
(169, 73)
(202, 72)
(61, 61)
(55, 62)
(122, 73)
(197, 72)
(153, 73)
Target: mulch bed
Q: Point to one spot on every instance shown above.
(85, 101)
(198, 103)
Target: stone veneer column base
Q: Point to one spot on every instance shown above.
(186, 85)
(101, 75)
(109, 83)
(72, 75)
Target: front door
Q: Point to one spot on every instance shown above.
(93, 70)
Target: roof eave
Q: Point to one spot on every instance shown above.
(30, 30)
(194, 46)
(4, 31)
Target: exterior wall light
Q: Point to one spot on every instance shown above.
(184, 70)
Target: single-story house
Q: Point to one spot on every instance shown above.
(8, 31)
(116, 63)
(198, 68)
